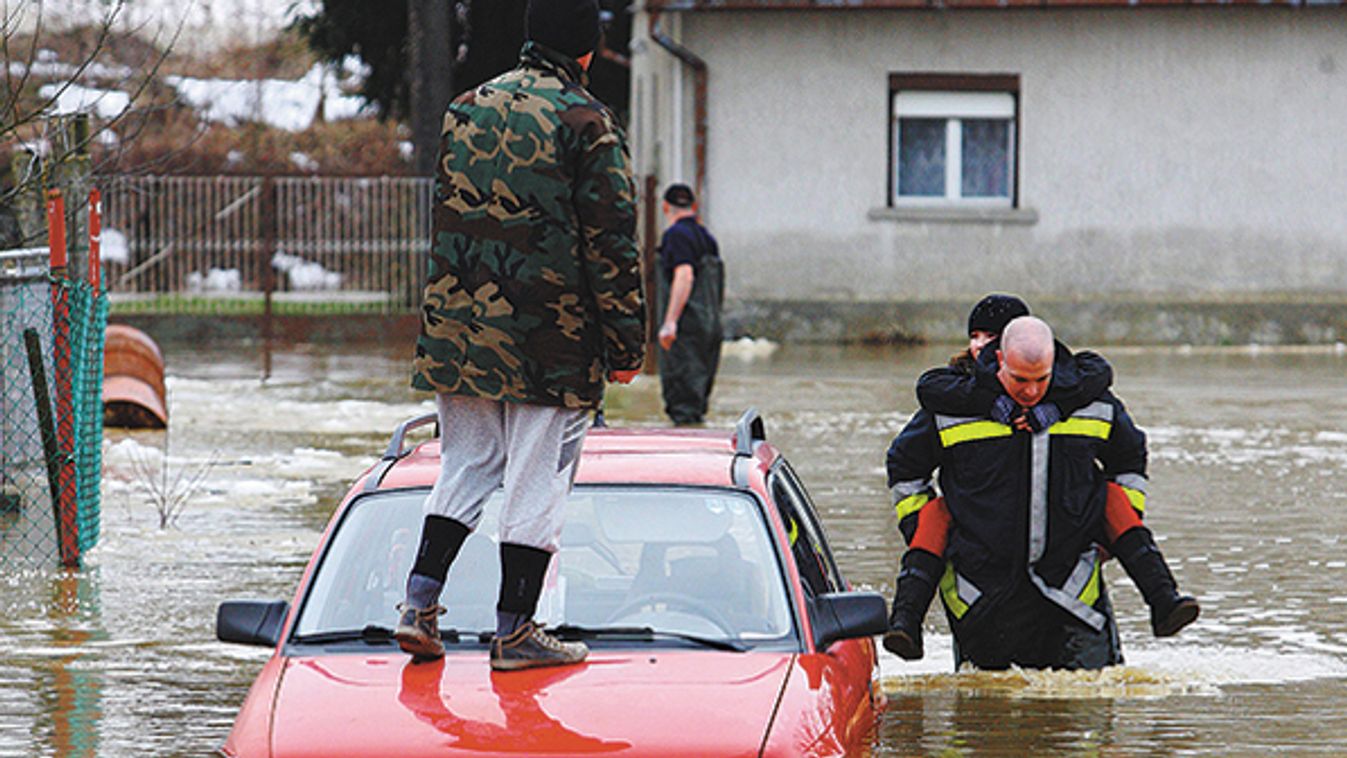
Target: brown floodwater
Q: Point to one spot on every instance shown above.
(1248, 452)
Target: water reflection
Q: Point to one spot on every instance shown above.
(527, 728)
(1247, 449)
(70, 691)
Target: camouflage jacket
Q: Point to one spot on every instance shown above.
(534, 286)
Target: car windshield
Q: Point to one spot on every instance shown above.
(683, 560)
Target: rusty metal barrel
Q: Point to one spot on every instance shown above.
(134, 395)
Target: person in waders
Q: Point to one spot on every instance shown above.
(533, 298)
(691, 293)
(1085, 487)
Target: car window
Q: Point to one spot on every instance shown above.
(808, 542)
(691, 560)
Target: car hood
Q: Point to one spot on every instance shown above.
(655, 703)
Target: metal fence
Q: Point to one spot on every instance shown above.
(248, 243)
(51, 412)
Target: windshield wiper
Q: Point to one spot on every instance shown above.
(372, 633)
(643, 633)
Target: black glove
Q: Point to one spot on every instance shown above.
(1004, 409)
(1042, 416)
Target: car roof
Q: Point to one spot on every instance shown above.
(619, 455)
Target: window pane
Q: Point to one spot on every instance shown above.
(921, 157)
(986, 158)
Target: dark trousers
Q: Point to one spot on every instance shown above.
(687, 370)
(1027, 630)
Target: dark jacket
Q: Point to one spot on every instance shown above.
(534, 283)
(1023, 506)
(968, 387)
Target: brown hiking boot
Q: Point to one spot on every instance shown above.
(418, 632)
(529, 646)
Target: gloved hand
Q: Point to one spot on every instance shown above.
(1004, 409)
(1042, 416)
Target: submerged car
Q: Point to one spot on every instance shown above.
(692, 563)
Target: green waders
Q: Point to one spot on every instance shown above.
(688, 369)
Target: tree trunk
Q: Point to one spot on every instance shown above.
(430, 65)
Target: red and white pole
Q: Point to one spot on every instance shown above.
(95, 238)
(65, 509)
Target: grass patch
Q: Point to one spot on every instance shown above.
(249, 306)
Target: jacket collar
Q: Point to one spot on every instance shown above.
(563, 66)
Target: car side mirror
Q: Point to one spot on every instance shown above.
(847, 615)
(251, 622)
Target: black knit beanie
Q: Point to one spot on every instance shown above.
(567, 26)
(993, 312)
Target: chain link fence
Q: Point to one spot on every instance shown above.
(51, 412)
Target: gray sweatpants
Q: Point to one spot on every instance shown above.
(532, 450)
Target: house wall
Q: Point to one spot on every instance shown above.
(1182, 155)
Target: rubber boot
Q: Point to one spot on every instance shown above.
(1142, 560)
(911, 599)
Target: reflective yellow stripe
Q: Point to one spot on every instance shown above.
(949, 590)
(1091, 591)
(911, 504)
(1137, 498)
(974, 430)
(794, 532)
(1083, 427)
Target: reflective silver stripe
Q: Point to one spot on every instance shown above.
(1131, 481)
(908, 488)
(1038, 495)
(944, 422)
(968, 592)
(1066, 596)
(1097, 410)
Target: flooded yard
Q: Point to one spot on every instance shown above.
(1248, 449)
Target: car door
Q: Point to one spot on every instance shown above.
(843, 673)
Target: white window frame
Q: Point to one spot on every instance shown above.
(954, 106)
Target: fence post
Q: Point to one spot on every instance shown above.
(267, 252)
(649, 268)
(95, 239)
(63, 502)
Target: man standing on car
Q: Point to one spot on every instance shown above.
(691, 291)
(1027, 510)
(533, 297)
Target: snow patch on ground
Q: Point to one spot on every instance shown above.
(73, 98)
(291, 105)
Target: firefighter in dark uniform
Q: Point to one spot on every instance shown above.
(1023, 584)
(691, 292)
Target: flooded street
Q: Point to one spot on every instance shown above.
(1248, 452)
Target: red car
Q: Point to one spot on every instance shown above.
(692, 563)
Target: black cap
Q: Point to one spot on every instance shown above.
(993, 312)
(567, 26)
(679, 196)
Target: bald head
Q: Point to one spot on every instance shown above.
(1029, 338)
(1026, 354)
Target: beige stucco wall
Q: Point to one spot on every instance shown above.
(1169, 154)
